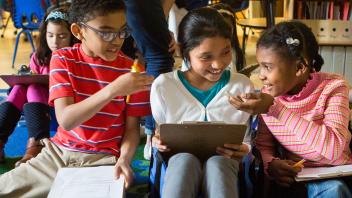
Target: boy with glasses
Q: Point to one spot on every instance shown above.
(88, 85)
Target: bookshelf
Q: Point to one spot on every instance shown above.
(331, 23)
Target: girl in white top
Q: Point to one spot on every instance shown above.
(199, 94)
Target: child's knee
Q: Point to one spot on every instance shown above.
(328, 188)
(222, 163)
(340, 188)
(184, 159)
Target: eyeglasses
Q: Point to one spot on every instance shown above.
(123, 33)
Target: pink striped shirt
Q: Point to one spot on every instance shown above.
(311, 124)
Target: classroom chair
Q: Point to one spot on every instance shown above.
(26, 15)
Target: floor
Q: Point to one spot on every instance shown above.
(7, 45)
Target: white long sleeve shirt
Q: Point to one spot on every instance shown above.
(171, 102)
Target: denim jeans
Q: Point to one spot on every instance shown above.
(328, 189)
(185, 176)
(150, 31)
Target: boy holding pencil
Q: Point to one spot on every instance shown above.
(88, 86)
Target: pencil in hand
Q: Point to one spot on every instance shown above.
(299, 164)
(135, 69)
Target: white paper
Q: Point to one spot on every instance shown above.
(324, 172)
(88, 182)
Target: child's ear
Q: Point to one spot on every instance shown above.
(76, 31)
(301, 68)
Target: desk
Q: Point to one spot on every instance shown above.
(255, 23)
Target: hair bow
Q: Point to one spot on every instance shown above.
(57, 15)
(292, 41)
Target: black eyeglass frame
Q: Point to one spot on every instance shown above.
(109, 36)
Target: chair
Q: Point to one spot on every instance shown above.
(238, 8)
(27, 15)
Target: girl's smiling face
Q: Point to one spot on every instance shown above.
(208, 61)
(279, 75)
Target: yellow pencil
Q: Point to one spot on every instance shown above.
(300, 163)
(135, 69)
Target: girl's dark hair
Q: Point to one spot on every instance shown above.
(227, 12)
(198, 25)
(306, 51)
(82, 11)
(43, 52)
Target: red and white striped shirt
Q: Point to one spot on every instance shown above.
(73, 74)
(312, 124)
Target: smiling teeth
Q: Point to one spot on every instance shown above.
(216, 72)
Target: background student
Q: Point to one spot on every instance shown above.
(32, 99)
(199, 94)
(304, 112)
(147, 20)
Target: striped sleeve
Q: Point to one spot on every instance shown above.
(139, 104)
(325, 139)
(265, 143)
(59, 81)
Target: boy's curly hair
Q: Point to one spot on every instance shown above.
(83, 10)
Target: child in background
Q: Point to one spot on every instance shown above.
(88, 85)
(199, 94)
(32, 99)
(302, 110)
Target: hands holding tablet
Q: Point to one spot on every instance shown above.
(156, 142)
(232, 151)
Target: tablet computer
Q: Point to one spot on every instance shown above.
(200, 138)
(12, 80)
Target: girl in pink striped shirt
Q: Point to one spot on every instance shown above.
(304, 113)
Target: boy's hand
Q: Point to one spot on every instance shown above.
(122, 167)
(283, 171)
(156, 143)
(233, 151)
(131, 82)
(253, 103)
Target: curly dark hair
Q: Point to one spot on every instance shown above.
(82, 11)
(307, 51)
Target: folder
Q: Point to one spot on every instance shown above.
(317, 173)
(87, 182)
(346, 10)
(200, 138)
(327, 53)
(12, 80)
(348, 64)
